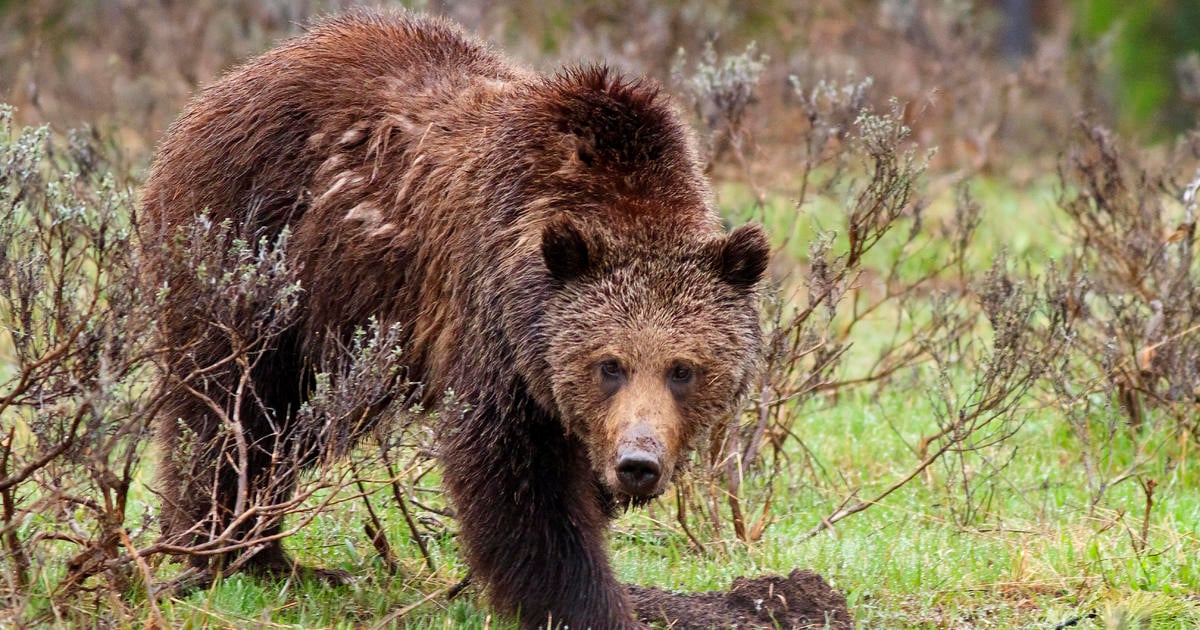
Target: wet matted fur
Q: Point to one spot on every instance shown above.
(548, 245)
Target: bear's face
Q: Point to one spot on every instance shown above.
(649, 348)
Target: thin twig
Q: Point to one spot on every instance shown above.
(399, 498)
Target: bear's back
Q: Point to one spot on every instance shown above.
(249, 146)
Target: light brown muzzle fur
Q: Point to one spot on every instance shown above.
(643, 425)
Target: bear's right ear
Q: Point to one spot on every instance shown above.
(743, 257)
(565, 250)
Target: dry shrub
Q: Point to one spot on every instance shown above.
(722, 91)
(76, 407)
(78, 325)
(731, 481)
(807, 333)
(978, 344)
(979, 413)
(943, 59)
(1130, 282)
(243, 298)
(1129, 297)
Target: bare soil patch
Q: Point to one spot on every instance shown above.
(803, 599)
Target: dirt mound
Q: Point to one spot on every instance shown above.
(801, 600)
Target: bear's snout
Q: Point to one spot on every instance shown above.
(639, 463)
(638, 472)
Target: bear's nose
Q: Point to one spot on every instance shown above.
(638, 473)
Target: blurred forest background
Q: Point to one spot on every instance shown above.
(983, 77)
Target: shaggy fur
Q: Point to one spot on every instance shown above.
(548, 244)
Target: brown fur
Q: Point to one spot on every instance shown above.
(523, 229)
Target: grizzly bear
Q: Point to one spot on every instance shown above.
(548, 247)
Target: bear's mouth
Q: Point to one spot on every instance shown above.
(620, 499)
(626, 502)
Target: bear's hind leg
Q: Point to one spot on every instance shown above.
(206, 500)
(279, 450)
(209, 502)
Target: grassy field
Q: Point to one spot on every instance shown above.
(1045, 558)
(1045, 550)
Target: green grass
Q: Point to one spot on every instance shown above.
(1042, 554)
(1020, 220)
(1043, 557)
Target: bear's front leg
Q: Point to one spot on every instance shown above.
(532, 522)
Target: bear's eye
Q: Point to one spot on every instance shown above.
(610, 368)
(681, 374)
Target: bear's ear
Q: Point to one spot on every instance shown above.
(743, 256)
(565, 250)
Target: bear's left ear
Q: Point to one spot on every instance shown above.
(565, 250)
(742, 259)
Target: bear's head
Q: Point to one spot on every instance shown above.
(650, 345)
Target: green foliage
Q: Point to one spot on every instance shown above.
(1146, 40)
